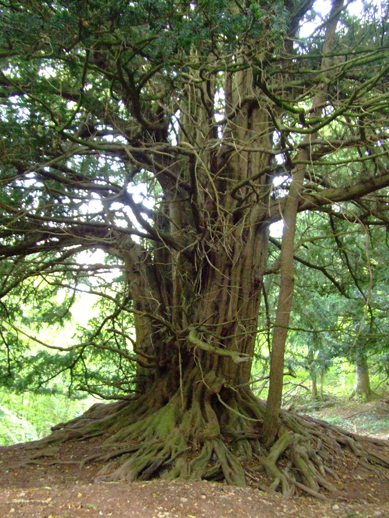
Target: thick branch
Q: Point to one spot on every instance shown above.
(234, 355)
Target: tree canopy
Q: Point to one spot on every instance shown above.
(169, 135)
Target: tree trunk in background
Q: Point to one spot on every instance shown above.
(313, 373)
(362, 380)
(314, 393)
(322, 376)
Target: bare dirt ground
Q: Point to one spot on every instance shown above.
(45, 488)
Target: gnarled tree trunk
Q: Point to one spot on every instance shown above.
(193, 415)
(195, 292)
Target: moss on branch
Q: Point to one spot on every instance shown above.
(236, 356)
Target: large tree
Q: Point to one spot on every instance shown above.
(169, 135)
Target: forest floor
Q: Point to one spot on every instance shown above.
(45, 489)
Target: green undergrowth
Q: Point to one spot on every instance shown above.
(357, 416)
(27, 417)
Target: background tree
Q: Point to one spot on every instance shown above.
(153, 132)
(339, 305)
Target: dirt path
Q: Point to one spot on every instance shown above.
(47, 490)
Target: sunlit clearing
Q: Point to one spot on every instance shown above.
(97, 259)
(277, 229)
(323, 7)
(140, 195)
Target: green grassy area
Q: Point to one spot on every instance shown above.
(27, 417)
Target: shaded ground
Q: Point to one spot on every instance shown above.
(46, 489)
(370, 418)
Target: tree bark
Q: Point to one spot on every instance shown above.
(274, 400)
(362, 379)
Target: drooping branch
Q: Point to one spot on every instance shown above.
(236, 356)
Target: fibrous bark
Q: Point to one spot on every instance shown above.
(362, 379)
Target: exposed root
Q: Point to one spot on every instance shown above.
(270, 463)
(213, 433)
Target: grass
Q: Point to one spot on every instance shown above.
(27, 417)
